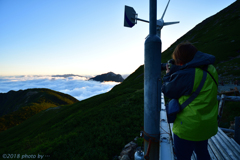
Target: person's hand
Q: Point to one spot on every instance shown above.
(168, 70)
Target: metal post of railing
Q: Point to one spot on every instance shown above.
(152, 99)
(237, 130)
(221, 105)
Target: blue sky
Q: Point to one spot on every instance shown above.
(45, 37)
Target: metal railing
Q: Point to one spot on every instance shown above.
(166, 141)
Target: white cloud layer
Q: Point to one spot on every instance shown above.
(78, 87)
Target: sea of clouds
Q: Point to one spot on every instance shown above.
(77, 86)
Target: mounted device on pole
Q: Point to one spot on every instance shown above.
(161, 23)
(129, 17)
(152, 76)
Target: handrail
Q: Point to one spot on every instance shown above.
(229, 98)
(166, 143)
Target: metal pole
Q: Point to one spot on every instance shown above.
(142, 20)
(153, 17)
(237, 130)
(159, 34)
(152, 87)
(220, 109)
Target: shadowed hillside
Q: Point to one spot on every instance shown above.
(17, 106)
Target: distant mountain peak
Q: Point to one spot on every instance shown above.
(110, 76)
(66, 75)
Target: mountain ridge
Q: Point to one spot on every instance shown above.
(110, 76)
(18, 106)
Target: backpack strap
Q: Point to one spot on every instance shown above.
(205, 68)
(195, 94)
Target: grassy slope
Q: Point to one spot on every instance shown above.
(96, 128)
(28, 103)
(13, 100)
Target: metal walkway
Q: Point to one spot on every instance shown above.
(220, 146)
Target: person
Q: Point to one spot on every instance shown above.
(197, 122)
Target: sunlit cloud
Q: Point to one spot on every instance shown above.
(76, 86)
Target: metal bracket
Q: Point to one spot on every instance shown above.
(148, 137)
(165, 140)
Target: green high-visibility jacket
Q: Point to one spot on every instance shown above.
(197, 121)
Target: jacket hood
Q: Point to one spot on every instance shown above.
(200, 59)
